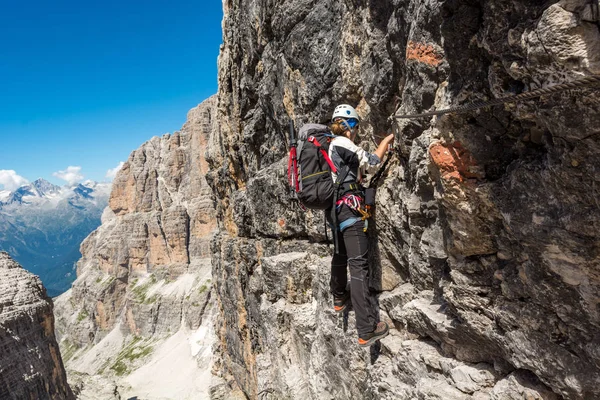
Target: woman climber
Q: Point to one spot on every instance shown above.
(350, 220)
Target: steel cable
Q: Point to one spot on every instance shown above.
(587, 81)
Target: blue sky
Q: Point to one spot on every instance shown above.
(83, 84)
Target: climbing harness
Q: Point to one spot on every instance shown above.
(587, 81)
(357, 204)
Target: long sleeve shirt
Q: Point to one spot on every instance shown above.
(343, 152)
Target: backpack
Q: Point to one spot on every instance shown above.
(310, 168)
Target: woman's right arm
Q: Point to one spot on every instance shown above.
(383, 146)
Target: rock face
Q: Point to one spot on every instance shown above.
(31, 366)
(145, 274)
(486, 246)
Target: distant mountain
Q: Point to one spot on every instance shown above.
(39, 189)
(42, 226)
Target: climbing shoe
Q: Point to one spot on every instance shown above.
(367, 339)
(340, 303)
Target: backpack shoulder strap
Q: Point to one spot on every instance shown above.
(314, 141)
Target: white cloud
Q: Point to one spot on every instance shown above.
(10, 180)
(111, 173)
(72, 175)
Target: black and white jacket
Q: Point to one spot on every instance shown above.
(343, 152)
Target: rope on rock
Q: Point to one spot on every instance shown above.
(587, 81)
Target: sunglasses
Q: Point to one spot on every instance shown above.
(352, 123)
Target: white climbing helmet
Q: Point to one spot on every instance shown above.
(344, 111)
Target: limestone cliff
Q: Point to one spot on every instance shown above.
(487, 246)
(30, 366)
(141, 303)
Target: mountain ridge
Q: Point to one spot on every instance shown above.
(42, 226)
(42, 190)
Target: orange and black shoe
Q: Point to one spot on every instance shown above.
(380, 332)
(340, 303)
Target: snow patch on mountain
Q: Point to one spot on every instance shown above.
(45, 195)
(42, 226)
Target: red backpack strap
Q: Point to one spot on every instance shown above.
(325, 155)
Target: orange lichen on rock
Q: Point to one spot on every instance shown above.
(424, 53)
(454, 161)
